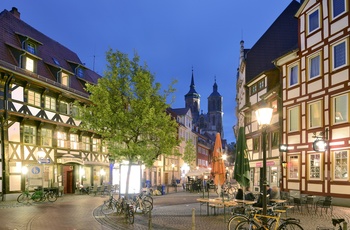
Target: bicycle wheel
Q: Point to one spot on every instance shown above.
(52, 197)
(148, 198)
(290, 226)
(247, 225)
(235, 220)
(108, 207)
(146, 206)
(131, 216)
(23, 197)
(36, 196)
(118, 207)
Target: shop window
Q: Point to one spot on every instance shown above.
(293, 167)
(315, 166)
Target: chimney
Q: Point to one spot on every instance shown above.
(15, 12)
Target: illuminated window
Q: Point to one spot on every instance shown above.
(341, 165)
(29, 134)
(340, 109)
(46, 137)
(315, 166)
(85, 140)
(293, 167)
(315, 114)
(29, 64)
(293, 119)
(74, 141)
(96, 144)
(50, 103)
(61, 139)
(34, 98)
(64, 79)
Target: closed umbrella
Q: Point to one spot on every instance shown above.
(218, 168)
(242, 168)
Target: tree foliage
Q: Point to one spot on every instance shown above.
(190, 154)
(129, 112)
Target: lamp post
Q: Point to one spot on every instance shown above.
(173, 177)
(263, 116)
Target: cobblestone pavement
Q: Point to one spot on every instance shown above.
(171, 211)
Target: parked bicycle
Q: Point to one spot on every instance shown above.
(125, 207)
(144, 203)
(37, 196)
(110, 205)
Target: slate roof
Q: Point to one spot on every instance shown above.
(280, 38)
(12, 28)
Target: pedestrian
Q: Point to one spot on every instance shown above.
(239, 195)
(249, 195)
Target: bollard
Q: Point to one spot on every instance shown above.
(345, 225)
(150, 220)
(193, 219)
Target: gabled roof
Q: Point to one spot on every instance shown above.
(280, 37)
(179, 111)
(49, 52)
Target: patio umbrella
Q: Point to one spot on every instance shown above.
(218, 168)
(242, 168)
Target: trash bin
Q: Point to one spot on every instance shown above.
(148, 183)
(163, 189)
(177, 181)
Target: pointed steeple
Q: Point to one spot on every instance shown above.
(192, 100)
(192, 92)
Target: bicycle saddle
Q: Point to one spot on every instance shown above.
(337, 221)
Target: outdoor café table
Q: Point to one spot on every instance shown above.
(216, 201)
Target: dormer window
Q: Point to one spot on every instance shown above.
(65, 79)
(30, 48)
(56, 61)
(80, 72)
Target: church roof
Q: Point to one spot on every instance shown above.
(192, 92)
(215, 92)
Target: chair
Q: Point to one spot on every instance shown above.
(324, 204)
(298, 202)
(310, 202)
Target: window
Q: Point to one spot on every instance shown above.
(315, 114)
(61, 139)
(339, 55)
(85, 143)
(29, 64)
(255, 144)
(64, 79)
(80, 72)
(293, 75)
(338, 7)
(253, 89)
(46, 137)
(74, 141)
(340, 109)
(341, 165)
(29, 134)
(96, 144)
(315, 166)
(314, 66)
(274, 106)
(261, 84)
(293, 119)
(31, 48)
(75, 111)
(275, 139)
(50, 103)
(63, 107)
(293, 167)
(314, 21)
(34, 98)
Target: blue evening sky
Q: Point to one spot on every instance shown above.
(172, 37)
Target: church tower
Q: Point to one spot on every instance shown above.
(215, 111)
(192, 100)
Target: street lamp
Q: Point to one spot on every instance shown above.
(263, 116)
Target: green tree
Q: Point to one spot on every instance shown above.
(129, 112)
(190, 154)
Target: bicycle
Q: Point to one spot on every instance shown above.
(42, 195)
(266, 222)
(126, 208)
(110, 205)
(142, 203)
(24, 196)
(335, 222)
(226, 188)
